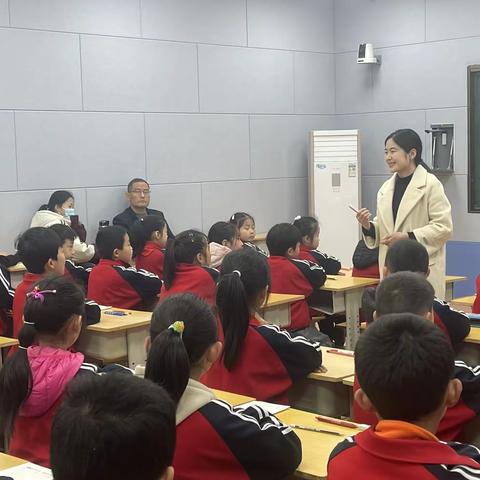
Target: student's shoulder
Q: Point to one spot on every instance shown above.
(343, 447)
(213, 273)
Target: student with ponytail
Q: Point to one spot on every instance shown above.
(235, 443)
(258, 359)
(149, 237)
(186, 269)
(34, 378)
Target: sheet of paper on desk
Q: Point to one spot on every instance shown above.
(27, 471)
(272, 408)
(104, 307)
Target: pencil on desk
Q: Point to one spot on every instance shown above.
(336, 421)
(346, 353)
(313, 429)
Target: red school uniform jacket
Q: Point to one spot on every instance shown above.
(201, 281)
(119, 285)
(78, 273)
(296, 277)
(216, 441)
(368, 456)
(476, 303)
(270, 361)
(453, 422)
(29, 279)
(330, 264)
(151, 259)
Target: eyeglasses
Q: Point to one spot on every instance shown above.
(139, 192)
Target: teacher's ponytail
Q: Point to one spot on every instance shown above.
(406, 139)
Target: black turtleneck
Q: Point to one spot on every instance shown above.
(401, 184)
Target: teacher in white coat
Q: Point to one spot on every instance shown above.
(411, 204)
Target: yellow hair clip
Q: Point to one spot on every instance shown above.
(177, 327)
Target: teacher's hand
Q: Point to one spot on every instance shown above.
(363, 217)
(394, 237)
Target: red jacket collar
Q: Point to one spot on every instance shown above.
(32, 277)
(410, 451)
(303, 248)
(113, 263)
(149, 246)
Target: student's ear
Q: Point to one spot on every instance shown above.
(386, 271)
(291, 252)
(454, 390)
(214, 351)
(200, 258)
(168, 475)
(115, 254)
(375, 315)
(147, 343)
(263, 296)
(430, 316)
(364, 402)
(49, 266)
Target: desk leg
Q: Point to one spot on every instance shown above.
(136, 346)
(449, 292)
(352, 307)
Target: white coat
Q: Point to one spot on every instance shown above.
(425, 211)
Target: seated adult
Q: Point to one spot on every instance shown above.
(60, 209)
(138, 195)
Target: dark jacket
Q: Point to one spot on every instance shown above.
(128, 217)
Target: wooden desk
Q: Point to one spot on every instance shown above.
(232, 398)
(343, 294)
(325, 393)
(464, 303)
(7, 461)
(116, 337)
(16, 273)
(349, 381)
(277, 308)
(316, 447)
(450, 281)
(6, 342)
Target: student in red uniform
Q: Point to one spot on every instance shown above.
(476, 303)
(310, 233)
(258, 360)
(77, 273)
(113, 281)
(223, 237)
(294, 276)
(235, 443)
(149, 237)
(113, 427)
(40, 250)
(186, 269)
(411, 292)
(412, 256)
(405, 367)
(246, 227)
(33, 379)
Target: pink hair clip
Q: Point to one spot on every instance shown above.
(38, 294)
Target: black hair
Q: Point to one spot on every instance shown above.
(221, 231)
(172, 355)
(141, 231)
(64, 232)
(306, 225)
(57, 199)
(244, 275)
(407, 255)
(42, 317)
(108, 239)
(110, 427)
(36, 247)
(136, 180)
(281, 237)
(182, 249)
(404, 292)
(240, 218)
(406, 139)
(404, 364)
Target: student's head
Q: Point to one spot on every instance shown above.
(113, 243)
(406, 256)
(245, 224)
(67, 236)
(52, 316)
(226, 234)
(404, 366)
(152, 228)
(183, 343)
(113, 426)
(404, 292)
(242, 289)
(40, 250)
(138, 193)
(190, 246)
(403, 150)
(59, 201)
(283, 240)
(309, 230)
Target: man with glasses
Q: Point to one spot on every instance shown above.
(138, 195)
